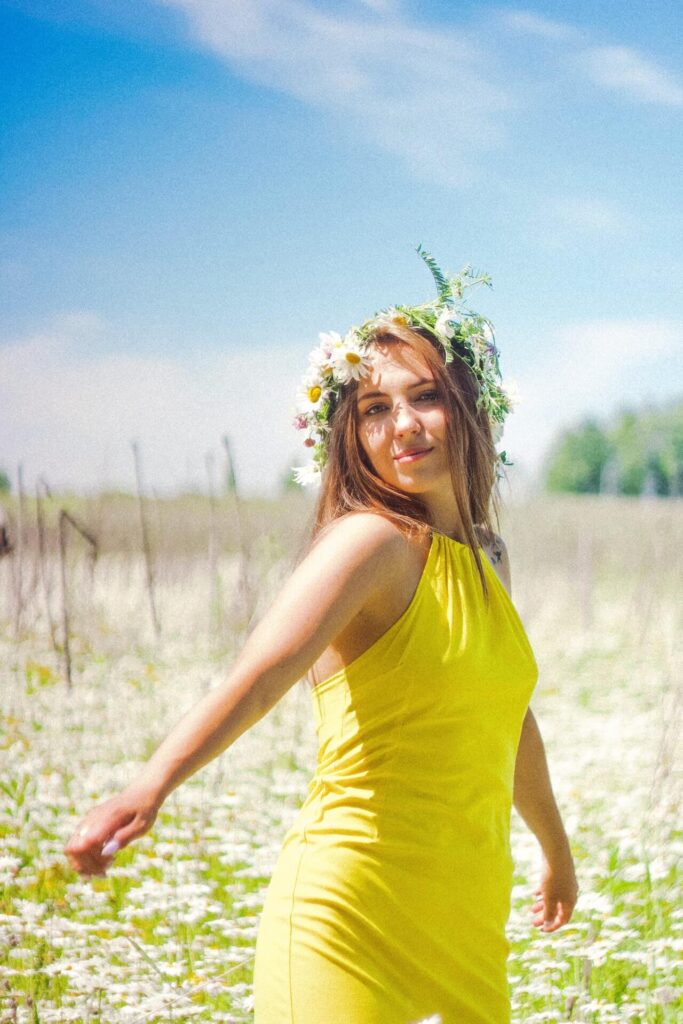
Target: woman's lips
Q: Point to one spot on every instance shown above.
(412, 456)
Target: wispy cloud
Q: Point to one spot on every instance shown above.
(439, 98)
(433, 97)
(70, 409)
(585, 214)
(528, 23)
(624, 69)
(619, 68)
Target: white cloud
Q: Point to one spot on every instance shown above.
(624, 69)
(437, 98)
(587, 214)
(70, 410)
(383, 6)
(536, 25)
(434, 97)
(592, 369)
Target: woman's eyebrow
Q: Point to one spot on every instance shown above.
(382, 394)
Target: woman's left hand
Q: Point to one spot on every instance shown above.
(557, 891)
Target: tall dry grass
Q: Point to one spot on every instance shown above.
(169, 934)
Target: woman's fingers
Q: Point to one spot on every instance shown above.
(137, 827)
(110, 826)
(85, 855)
(90, 849)
(107, 828)
(554, 919)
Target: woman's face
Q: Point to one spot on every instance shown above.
(402, 421)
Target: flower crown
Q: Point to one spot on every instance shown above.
(338, 361)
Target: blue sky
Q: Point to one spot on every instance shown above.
(192, 190)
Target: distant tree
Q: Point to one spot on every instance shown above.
(640, 452)
(627, 437)
(5, 485)
(663, 430)
(649, 450)
(578, 458)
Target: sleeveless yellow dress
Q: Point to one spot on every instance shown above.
(391, 893)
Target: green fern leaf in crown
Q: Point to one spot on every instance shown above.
(442, 284)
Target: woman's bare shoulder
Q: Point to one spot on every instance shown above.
(368, 542)
(369, 532)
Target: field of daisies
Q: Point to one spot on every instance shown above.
(169, 934)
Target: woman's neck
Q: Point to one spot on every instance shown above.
(444, 515)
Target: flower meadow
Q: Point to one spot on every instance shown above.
(168, 934)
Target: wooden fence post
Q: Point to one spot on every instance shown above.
(65, 519)
(145, 542)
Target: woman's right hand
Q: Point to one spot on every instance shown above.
(110, 825)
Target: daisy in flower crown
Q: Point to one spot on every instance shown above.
(456, 331)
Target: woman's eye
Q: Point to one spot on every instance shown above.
(372, 409)
(429, 396)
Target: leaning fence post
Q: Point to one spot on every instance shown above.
(145, 542)
(19, 570)
(64, 597)
(215, 610)
(64, 520)
(243, 583)
(41, 483)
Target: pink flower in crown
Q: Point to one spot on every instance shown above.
(329, 340)
(300, 422)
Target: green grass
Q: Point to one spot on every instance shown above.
(169, 933)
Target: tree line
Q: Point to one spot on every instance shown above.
(637, 452)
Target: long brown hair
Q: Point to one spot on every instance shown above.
(350, 484)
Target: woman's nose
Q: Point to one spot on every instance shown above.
(405, 421)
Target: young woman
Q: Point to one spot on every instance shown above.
(390, 897)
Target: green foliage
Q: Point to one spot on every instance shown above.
(442, 285)
(637, 452)
(5, 485)
(578, 459)
(289, 482)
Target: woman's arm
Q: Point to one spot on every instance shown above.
(356, 559)
(533, 793)
(534, 800)
(557, 890)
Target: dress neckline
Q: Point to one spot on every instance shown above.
(436, 538)
(388, 633)
(452, 540)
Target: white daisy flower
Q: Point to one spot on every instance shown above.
(513, 393)
(329, 340)
(350, 362)
(310, 395)
(308, 475)
(392, 317)
(444, 323)
(321, 360)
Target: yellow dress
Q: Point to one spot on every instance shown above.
(391, 893)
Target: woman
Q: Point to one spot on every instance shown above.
(391, 893)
